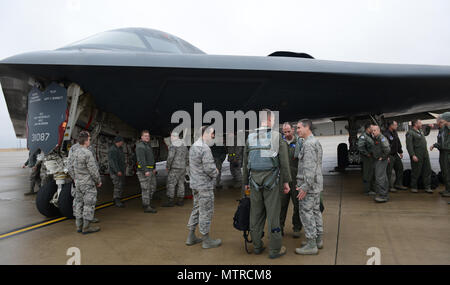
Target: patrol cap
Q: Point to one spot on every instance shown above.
(118, 139)
(445, 116)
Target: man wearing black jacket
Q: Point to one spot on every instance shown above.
(395, 157)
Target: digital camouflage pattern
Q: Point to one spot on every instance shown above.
(202, 167)
(177, 161)
(310, 180)
(202, 210)
(86, 177)
(202, 180)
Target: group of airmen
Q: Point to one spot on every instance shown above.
(271, 177)
(381, 154)
(291, 172)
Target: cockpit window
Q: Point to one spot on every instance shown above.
(113, 38)
(160, 44)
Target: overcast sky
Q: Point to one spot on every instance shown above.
(387, 31)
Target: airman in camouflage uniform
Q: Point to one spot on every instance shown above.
(443, 145)
(309, 187)
(176, 164)
(380, 150)
(116, 162)
(235, 153)
(146, 171)
(365, 144)
(203, 173)
(35, 166)
(416, 144)
(86, 176)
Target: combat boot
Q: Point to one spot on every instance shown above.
(79, 224)
(445, 193)
(296, 234)
(379, 199)
(87, 228)
(393, 190)
(31, 190)
(413, 190)
(309, 248)
(168, 203)
(428, 190)
(210, 243)
(95, 220)
(180, 201)
(372, 193)
(149, 209)
(400, 187)
(192, 238)
(278, 254)
(319, 241)
(118, 203)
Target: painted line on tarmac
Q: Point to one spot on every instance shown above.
(48, 222)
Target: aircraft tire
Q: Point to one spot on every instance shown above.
(342, 156)
(65, 201)
(43, 198)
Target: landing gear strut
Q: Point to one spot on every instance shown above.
(349, 156)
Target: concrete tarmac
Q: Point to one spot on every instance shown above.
(409, 229)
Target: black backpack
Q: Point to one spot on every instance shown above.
(241, 219)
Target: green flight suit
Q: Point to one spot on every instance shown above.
(443, 145)
(292, 195)
(381, 150)
(146, 163)
(365, 145)
(416, 144)
(265, 202)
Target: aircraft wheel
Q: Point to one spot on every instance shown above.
(43, 198)
(65, 201)
(342, 156)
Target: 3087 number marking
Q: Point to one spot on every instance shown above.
(40, 137)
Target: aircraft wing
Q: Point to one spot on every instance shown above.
(144, 89)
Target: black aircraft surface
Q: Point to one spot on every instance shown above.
(142, 76)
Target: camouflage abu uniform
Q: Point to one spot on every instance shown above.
(310, 180)
(116, 162)
(86, 176)
(203, 175)
(381, 150)
(177, 161)
(146, 163)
